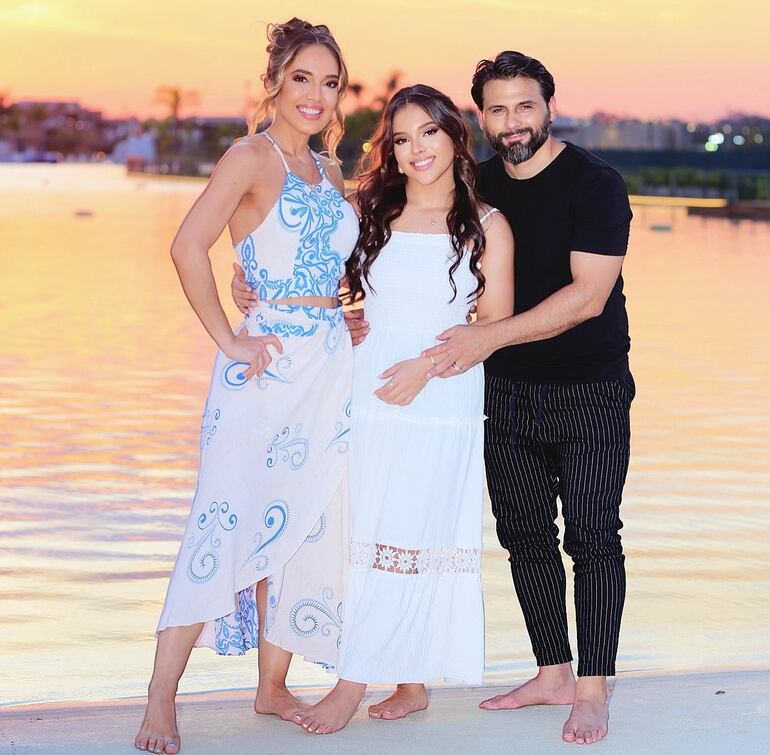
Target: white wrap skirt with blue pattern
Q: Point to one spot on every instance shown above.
(271, 495)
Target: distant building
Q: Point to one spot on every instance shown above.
(606, 132)
(137, 151)
(63, 127)
(63, 130)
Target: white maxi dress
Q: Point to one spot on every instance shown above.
(413, 605)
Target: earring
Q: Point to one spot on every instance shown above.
(400, 169)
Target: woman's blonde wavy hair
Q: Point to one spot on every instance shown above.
(284, 42)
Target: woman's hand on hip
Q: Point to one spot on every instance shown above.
(252, 350)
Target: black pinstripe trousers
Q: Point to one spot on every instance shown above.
(545, 441)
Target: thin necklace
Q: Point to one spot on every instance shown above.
(434, 221)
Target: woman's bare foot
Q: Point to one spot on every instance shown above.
(408, 698)
(278, 701)
(159, 732)
(588, 721)
(334, 711)
(553, 685)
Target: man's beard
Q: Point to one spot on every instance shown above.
(519, 152)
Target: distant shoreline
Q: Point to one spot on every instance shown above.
(709, 207)
(718, 207)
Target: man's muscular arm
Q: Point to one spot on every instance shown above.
(593, 278)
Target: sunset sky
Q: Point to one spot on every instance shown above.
(684, 58)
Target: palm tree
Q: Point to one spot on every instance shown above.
(356, 88)
(174, 100)
(10, 122)
(391, 85)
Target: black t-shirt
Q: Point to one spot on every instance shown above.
(577, 203)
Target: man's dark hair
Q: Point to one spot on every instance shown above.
(509, 65)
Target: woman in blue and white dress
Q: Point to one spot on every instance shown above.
(263, 557)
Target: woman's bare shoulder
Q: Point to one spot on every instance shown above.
(249, 160)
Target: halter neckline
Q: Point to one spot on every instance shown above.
(289, 171)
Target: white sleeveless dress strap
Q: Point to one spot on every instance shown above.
(488, 213)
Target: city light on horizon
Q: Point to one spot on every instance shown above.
(625, 58)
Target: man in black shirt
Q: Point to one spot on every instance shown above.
(558, 387)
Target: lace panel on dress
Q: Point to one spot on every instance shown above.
(415, 561)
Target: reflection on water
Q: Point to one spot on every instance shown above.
(103, 374)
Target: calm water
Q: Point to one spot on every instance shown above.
(103, 375)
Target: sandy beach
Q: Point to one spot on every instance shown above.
(724, 711)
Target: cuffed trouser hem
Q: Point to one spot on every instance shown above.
(553, 660)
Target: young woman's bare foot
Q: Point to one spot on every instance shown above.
(408, 698)
(553, 685)
(334, 711)
(278, 701)
(589, 719)
(159, 732)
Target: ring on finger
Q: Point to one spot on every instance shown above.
(456, 367)
(432, 360)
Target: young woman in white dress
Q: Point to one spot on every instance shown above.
(428, 251)
(262, 562)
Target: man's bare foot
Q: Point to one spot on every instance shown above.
(588, 721)
(159, 732)
(334, 711)
(408, 698)
(553, 685)
(278, 701)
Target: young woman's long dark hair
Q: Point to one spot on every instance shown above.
(382, 194)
